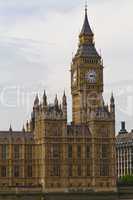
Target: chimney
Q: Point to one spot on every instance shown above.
(123, 128)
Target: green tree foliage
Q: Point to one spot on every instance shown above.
(126, 180)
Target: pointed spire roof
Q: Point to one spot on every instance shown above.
(56, 104)
(10, 128)
(64, 100)
(27, 126)
(44, 94)
(86, 46)
(64, 95)
(23, 128)
(56, 100)
(86, 29)
(36, 102)
(112, 98)
(44, 99)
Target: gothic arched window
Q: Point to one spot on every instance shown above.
(70, 151)
(104, 150)
(104, 168)
(79, 170)
(88, 170)
(16, 151)
(55, 151)
(55, 170)
(3, 171)
(79, 151)
(29, 152)
(16, 171)
(4, 151)
(70, 170)
(29, 170)
(88, 151)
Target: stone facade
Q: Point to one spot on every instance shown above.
(66, 158)
(124, 149)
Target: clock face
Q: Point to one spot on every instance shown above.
(74, 77)
(91, 76)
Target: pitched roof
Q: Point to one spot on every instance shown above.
(87, 50)
(16, 134)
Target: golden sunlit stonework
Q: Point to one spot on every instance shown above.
(59, 157)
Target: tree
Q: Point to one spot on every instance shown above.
(126, 180)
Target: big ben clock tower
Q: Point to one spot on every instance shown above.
(89, 110)
(86, 76)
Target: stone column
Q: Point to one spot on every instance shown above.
(130, 160)
(118, 161)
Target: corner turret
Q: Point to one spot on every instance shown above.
(56, 104)
(36, 102)
(10, 129)
(112, 105)
(23, 129)
(64, 105)
(44, 99)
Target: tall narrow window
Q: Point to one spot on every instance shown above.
(87, 151)
(16, 150)
(4, 151)
(29, 170)
(104, 150)
(79, 151)
(70, 170)
(16, 171)
(29, 152)
(104, 164)
(69, 151)
(3, 171)
(55, 171)
(104, 168)
(55, 151)
(79, 170)
(88, 171)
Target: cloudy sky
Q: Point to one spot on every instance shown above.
(37, 41)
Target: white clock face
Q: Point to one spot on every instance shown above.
(91, 76)
(74, 77)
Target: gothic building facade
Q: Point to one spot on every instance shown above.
(124, 152)
(59, 157)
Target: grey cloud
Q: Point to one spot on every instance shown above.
(15, 7)
(23, 58)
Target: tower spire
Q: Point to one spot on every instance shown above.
(44, 98)
(36, 102)
(64, 100)
(86, 29)
(112, 104)
(86, 7)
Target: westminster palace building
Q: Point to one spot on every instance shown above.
(62, 157)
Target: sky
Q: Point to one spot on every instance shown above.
(37, 42)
